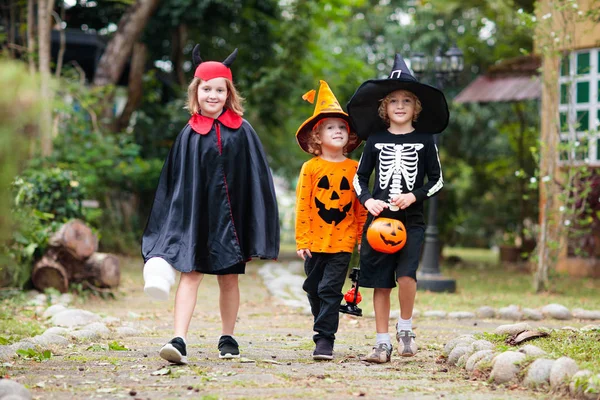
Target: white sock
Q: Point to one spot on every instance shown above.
(404, 324)
(384, 338)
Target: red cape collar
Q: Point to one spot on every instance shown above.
(203, 125)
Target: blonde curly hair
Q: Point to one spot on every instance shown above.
(386, 100)
(314, 141)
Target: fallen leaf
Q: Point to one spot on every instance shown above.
(525, 336)
(271, 362)
(162, 371)
(246, 360)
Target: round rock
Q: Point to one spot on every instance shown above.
(579, 382)
(11, 388)
(538, 373)
(557, 311)
(511, 312)
(85, 334)
(97, 327)
(481, 345)
(531, 314)
(476, 357)
(505, 366)
(486, 312)
(57, 330)
(53, 310)
(466, 339)
(562, 371)
(511, 329)
(74, 317)
(461, 315)
(531, 350)
(127, 331)
(48, 339)
(457, 352)
(586, 314)
(435, 314)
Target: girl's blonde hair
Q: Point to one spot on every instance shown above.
(234, 100)
(386, 100)
(314, 142)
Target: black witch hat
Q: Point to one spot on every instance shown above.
(364, 104)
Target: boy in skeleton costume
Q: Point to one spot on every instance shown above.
(329, 218)
(398, 117)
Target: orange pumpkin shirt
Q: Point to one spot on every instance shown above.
(329, 217)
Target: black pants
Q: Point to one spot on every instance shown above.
(325, 275)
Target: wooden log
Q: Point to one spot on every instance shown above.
(49, 273)
(101, 270)
(76, 238)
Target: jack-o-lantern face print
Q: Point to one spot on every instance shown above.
(386, 235)
(333, 199)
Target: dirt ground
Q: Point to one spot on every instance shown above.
(276, 346)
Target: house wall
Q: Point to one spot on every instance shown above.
(562, 26)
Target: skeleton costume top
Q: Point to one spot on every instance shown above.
(401, 163)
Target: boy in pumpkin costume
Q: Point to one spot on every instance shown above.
(397, 117)
(329, 218)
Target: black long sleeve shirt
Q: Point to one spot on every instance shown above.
(401, 163)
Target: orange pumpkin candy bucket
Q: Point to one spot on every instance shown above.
(386, 235)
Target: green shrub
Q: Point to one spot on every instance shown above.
(44, 199)
(53, 191)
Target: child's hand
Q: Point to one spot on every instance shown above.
(404, 200)
(375, 207)
(303, 253)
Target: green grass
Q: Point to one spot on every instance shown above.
(583, 347)
(18, 321)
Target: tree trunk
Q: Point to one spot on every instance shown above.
(49, 273)
(31, 35)
(101, 270)
(135, 88)
(518, 107)
(180, 36)
(119, 48)
(75, 238)
(44, 9)
(63, 40)
(11, 27)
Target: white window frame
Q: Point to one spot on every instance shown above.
(592, 107)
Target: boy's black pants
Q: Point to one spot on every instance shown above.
(325, 275)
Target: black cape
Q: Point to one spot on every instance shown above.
(215, 203)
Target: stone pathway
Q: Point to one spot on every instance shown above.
(276, 345)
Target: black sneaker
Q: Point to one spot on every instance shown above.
(323, 350)
(174, 351)
(228, 347)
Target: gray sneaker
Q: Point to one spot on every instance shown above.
(407, 347)
(382, 353)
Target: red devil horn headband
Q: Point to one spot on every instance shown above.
(207, 70)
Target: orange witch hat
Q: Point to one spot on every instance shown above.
(327, 106)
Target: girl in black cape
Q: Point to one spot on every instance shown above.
(215, 206)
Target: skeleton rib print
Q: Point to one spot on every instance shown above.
(397, 161)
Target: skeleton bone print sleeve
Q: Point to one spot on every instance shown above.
(433, 170)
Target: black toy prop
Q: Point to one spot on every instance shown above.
(352, 296)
